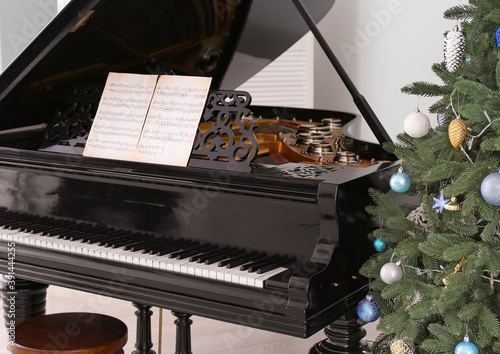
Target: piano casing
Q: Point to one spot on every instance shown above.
(312, 212)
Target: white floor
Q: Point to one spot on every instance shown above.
(208, 336)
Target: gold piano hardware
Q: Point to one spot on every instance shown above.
(301, 141)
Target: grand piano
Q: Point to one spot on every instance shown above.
(274, 243)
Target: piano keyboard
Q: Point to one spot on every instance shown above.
(204, 260)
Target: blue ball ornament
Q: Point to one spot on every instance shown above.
(490, 188)
(368, 309)
(466, 347)
(400, 182)
(380, 245)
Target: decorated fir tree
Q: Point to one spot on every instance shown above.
(435, 276)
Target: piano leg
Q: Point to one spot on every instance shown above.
(183, 337)
(143, 342)
(22, 299)
(343, 337)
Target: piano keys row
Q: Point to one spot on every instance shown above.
(205, 260)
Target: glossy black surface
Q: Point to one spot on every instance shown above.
(316, 218)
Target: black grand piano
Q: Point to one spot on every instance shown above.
(274, 243)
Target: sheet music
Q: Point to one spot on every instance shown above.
(173, 118)
(148, 118)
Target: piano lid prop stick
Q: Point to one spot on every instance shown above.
(159, 330)
(363, 106)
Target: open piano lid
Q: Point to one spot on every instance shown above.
(228, 40)
(90, 38)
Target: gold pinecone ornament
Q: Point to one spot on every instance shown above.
(454, 46)
(402, 346)
(457, 130)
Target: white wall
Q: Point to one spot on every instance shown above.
(383, 45)
(20, 22)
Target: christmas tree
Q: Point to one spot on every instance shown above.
(435, 277)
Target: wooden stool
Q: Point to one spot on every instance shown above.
(82, 333)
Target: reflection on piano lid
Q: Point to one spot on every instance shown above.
(301, 207)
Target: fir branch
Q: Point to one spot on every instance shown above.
(464, 226)
(490, 324)
(458, 251)
(390, 235)
(470, 178)
(424, 89)
(443, 170)
(491, 144)
(489, 233)
(474, 89)
(461, 12)
(471, 202)
(386, 205)
(445, 342)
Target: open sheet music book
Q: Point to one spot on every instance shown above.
(148, 118)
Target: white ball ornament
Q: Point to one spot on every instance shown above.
(417, 124)
(391, 273)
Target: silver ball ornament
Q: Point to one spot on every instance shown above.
(391, 273)
(490, 188)
(417, 124)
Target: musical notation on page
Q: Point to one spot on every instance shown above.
(148, 118)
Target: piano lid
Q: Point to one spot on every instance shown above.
(90, 38)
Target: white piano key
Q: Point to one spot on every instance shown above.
(140, 258)
(259, 282)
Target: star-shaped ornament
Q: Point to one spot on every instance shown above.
(440, 202)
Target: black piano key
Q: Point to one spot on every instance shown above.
(115, 237)
(80, 229)
(96, 235)
(259, 262)
(139, 246)
(125, 242)
(158, 245)
(281, 261)
(222, 257)
(196, 246)
(246, 259)
(180, 244)
(200, 258)
(142, 241)
(71, 235)
(237, 257)
(39, 229)
(188, 253)
(231, 253)
(200, 250)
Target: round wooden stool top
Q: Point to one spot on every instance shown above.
(80, 332)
